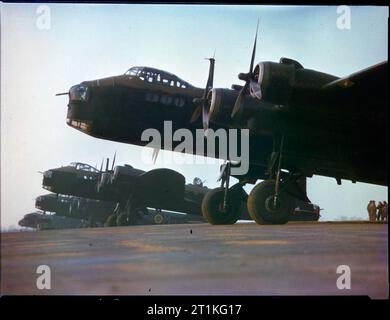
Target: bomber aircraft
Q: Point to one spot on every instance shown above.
(94, 212)
(43, 221)
(132, 190)
(301, 123)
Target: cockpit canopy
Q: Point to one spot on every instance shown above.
(156, 76)
(84, 167)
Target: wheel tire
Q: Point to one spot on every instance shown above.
(259, 210)
(211, 208)
(111, 221)
(122, 220)
(158, 219)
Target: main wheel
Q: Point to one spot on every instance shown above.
(122, 219)
(261, 205)
(212, 207)
(111, 221)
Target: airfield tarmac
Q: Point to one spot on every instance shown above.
(293, 259)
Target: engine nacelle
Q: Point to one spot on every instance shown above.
(276, 81)
(288, 83)
(125, 173)
(254, 115)
(221, 103)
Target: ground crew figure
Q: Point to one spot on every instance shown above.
(371, 208)
(379, 207)
(384, 211)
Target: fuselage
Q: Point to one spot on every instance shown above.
(335, 144)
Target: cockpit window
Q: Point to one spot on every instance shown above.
(83, 166)
(156, 76)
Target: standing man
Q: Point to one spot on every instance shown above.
(384, 211)
(371, 208)
(380, 209)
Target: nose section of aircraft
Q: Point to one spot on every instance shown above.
(80, 108)
(47, 181)
(38, 202)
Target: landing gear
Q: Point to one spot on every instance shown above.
(269, 201)
(158, 218)
(121, 219)
(223, 205)
(213, 208)
(131, 213)
(264, 209)
(111, 220)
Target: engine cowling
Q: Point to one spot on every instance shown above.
(124, 173)
(288, 83)
(221, 102)
(276, 82)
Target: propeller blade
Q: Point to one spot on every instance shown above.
(101, 166)
(107, 164)
(238, 104)
(201, 109)
(254, 49)
(196, 114)
(247, 77)
(113, 161)
(205, 116)
(210, 79)
(61, 94)
(155, 154)
(209, 86)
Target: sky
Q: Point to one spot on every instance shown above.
(87, 42)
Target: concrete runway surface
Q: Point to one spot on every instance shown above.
(292, 259)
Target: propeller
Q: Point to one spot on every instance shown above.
(201, 109)
(156, 151)
(61, 94)
(107, 164)
(247, 77)
(101, 166)
(113, 162)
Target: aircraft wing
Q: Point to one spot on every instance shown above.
(159, 187)
(365, 90)
(369, 77)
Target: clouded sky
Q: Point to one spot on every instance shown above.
(93, 41)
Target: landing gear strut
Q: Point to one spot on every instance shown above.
(272, 201)
(223, 205)
(130, 214)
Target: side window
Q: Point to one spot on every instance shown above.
(165, 81)
(179, 102)
(183, 86)
(158, 78)
(178, 84)
(151, 97)
(166, 99)
(172, 84)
